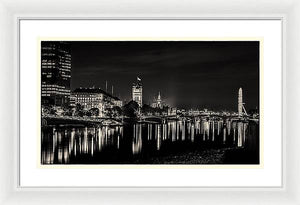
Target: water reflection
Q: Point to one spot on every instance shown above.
(63, 145)
(137, 139)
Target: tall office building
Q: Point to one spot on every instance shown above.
(55, 73)
(137, 92)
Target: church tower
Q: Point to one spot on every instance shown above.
(159, 104)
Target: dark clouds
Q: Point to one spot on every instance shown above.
(190, 74)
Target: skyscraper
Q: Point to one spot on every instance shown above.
(55, 73)
(137, 92)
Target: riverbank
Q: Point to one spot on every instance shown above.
(210, 156)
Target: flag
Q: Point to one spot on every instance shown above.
(138, 79)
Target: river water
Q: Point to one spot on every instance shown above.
(145, 143)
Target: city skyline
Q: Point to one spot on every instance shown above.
(182, 84)
(187, 74)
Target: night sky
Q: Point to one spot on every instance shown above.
(188, 74)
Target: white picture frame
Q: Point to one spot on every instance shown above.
(267, 174)
(10, 193)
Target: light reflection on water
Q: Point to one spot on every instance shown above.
(63, 145)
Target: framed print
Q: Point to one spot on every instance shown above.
(178, 98)
(149, 103)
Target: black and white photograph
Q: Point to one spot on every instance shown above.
(183, 102)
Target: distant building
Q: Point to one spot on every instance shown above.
(157, 102)
(137, 92)
(172, 111)
(55, 73)
(194, 112)
(94, 98)
(117, 102)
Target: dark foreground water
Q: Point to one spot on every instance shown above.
(173, 142)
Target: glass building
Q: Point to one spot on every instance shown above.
(55, 73)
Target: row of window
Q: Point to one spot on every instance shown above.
(48, 54)
(43, 67)
(63, 69)
(66, 76)
(48, 63)
(56, 92)
(51, 85)
(57, 89)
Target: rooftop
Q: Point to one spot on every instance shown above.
(94, 90)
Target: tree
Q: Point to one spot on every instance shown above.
(131, 109)
(78, 107)
(117, 110)
(94, 112)
(46, 109)
(67, 111)
(79, 110)
(53, 111)
(114, 111)
(148, 110)
(88, 113)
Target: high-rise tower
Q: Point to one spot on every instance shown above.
(55, 73)
(137, 92)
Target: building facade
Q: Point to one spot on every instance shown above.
(90, 98)
(137, 92)
(55, 73)
(117, 102)
(172, 111)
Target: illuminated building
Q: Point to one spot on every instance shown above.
(55, 73)
(137, 92)
(157, 102)
(117, 102)
(90, 98)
